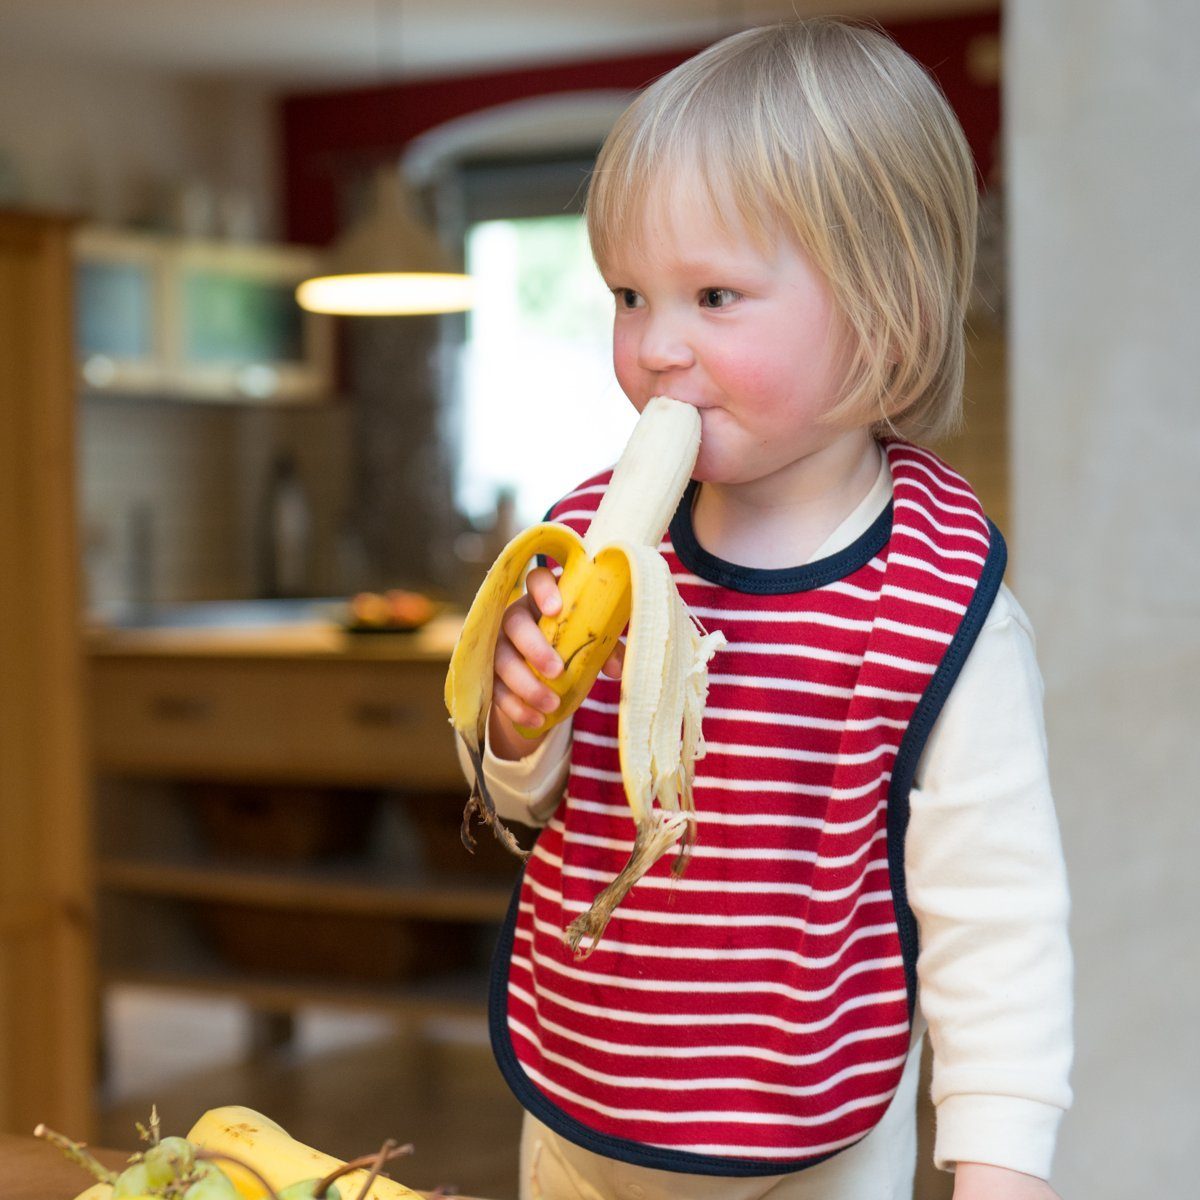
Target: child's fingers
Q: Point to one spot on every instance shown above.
(614, 663)
(542, 587)
(513, 707)
(528, 697)
(521, 629)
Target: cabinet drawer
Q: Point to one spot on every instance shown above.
(324, 721)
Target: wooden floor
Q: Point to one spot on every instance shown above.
(344, 1085)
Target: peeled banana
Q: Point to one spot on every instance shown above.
(612, 577)
(276, 1155)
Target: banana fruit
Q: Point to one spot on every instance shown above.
(612, 577)
(280, 1159)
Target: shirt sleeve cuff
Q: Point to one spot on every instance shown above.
(1003, 1131)
(537, 779)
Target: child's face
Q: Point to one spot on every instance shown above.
(749, 336)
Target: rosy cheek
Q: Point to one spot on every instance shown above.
(625, 360)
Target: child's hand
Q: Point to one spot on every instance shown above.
(979, 1181)
(519, 697)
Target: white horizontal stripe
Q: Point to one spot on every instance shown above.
(740, 750)
(975, 516)
(802, 722)
(941, 474)
(791, 651)
(688, 1019)
(741, 1083)
(575, 514)
(721, 1117)
(948, 530)
(745, 750)
(901, 664)
(878, 693)
(738, 887)
(595, 489)
(941, 551)
(914, 631)
(929, 601)
(919, 564)
(768, 683)
(581, 772)
(606, 1046)
(710, 987)
(702, 850)
(722, 954)
(670, 918)
(765, 787)
(783, 618)
(840, 588)
(751, 819)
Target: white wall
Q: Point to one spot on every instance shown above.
(116, 146)
(1103, 131)
(109, 142)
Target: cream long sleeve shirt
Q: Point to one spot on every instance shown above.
(986, 881)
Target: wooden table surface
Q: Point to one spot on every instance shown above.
(31, 1169)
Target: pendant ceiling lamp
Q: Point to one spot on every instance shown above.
(387, 264)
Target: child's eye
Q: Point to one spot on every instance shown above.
(626, 297)
(717, 297)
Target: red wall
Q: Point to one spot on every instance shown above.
(328, 134)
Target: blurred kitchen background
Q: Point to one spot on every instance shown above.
(230, 869)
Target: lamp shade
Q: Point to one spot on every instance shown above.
(387, 264)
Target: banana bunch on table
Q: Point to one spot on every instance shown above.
(235, 1153)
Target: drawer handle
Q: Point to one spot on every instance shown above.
(379, 714)
(180, 708)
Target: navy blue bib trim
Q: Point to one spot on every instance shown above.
(913, 743)
(763, 581)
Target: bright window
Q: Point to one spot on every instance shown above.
(541, 407)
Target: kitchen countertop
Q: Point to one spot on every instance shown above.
(30, 1169)
(316, 639)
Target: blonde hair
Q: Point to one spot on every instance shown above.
(827, 131)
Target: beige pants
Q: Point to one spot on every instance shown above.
(880, 1167)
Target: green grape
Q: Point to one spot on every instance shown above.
(172, 1157)
(303, 1189)
(211, 1184)
(133, 1181)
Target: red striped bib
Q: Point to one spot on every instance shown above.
(753, 1016)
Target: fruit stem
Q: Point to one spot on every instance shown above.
(388, 1151)
(221, 1156)
(77, 1152)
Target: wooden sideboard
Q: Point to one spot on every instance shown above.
(211, 749)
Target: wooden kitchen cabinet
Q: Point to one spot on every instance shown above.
(46, 928)
(337, 740)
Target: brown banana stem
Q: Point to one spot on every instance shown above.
(480, 805)
(386, 1154)
(654, 838)
(221, 1156)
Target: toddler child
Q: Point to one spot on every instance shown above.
(787, 224)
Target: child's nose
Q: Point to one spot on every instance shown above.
(663, 346)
